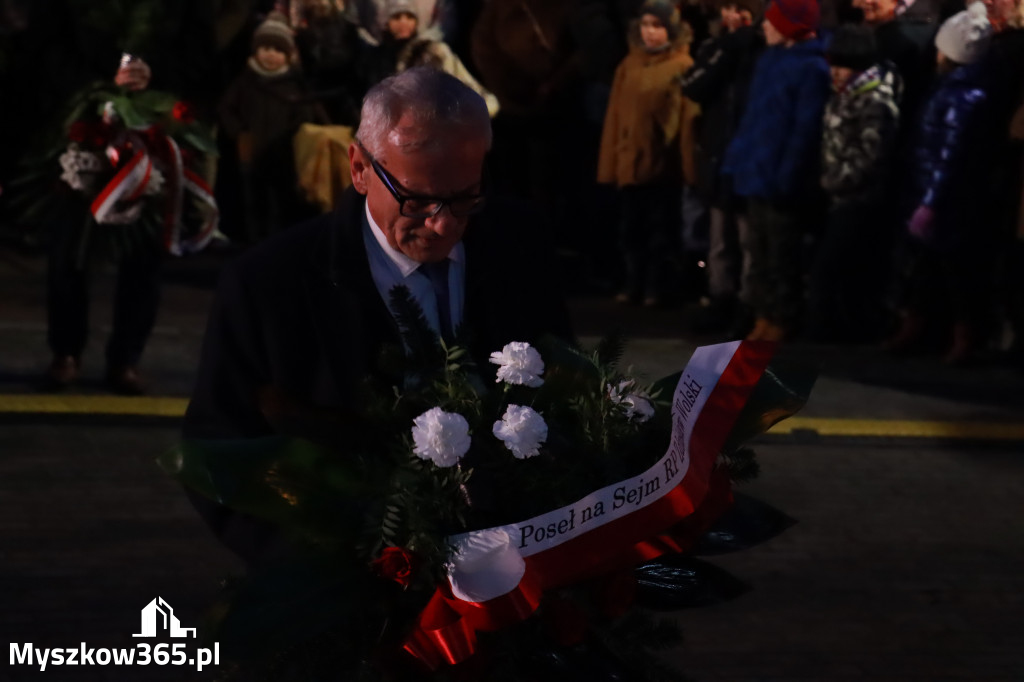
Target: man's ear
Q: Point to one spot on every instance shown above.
(359, 166)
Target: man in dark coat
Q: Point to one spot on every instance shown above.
(300, 320)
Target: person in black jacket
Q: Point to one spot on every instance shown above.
(718, 82)
(301, 320)
(261, 111)
(332, 52)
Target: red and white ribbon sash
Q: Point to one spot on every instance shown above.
(131, 182)
(127, 185)
(181, 180)
(498, 575)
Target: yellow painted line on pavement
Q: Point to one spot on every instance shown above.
(902, 428)
(142, 406)
(157, 406)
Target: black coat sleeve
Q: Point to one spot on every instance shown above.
(711, 73)
(232, 368)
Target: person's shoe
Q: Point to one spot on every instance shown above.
(742, 322)
(773, 332)
(63, 371)
(125, 381)
(908, 337)
(714, 315)
(624, 298)
(963, 345)
(760, 326)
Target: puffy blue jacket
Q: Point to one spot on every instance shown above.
(775, 152)
(949, 132)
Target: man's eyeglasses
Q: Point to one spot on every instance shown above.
(418, 207)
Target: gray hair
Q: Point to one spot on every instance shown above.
(432, 97)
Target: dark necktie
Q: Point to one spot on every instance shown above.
(437, 273)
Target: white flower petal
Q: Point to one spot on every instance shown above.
(519, 363)
(523, 431)
(635, 402)
(441, 437)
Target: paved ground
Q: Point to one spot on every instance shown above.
(906, 563)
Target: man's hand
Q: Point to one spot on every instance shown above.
(135, 75)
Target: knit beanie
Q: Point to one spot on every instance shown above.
(667, 13)
(854, 47)
(393, 7)
(274, 32)
(965, 35)
(794, 19)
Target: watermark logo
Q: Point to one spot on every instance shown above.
(158, 620)
(158, 614)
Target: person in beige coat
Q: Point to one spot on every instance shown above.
(647, 147)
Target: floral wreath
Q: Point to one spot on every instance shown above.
(135, 157)
(453, 527)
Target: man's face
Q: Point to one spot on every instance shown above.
(876, 11)
(452, 167)
(733, 18)
(1000, 12)
(771, 34)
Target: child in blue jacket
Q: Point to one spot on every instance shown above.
(774, 158)
(947, 275)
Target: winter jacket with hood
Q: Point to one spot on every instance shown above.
(951, 163)
(648, 127)
(860, 129)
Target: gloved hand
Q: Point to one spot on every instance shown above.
(922, 223)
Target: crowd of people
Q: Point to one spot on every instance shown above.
(842, 172)
(856, 173)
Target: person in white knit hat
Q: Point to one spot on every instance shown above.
(948, 275)
(963, 37)
(403, 46)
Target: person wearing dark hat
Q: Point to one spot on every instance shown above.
(646, 146)
(261, 111)
(331, 52)
(845, 302)
(718, 82)
(949, 268)
(774, 158)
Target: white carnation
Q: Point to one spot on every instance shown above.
(634, 401)
(442, 437)
(79, 167)
(519, 363)
(522, 430)
(155, 186)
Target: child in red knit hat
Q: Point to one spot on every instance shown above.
(774, 158)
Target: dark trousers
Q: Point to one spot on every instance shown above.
(950, 284)
(136, 298)
(269, 197)
(648, 228)
(728, 254)
(1013, 282)
(776, 263)
(846, 292)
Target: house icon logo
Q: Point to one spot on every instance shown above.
(158, 616)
